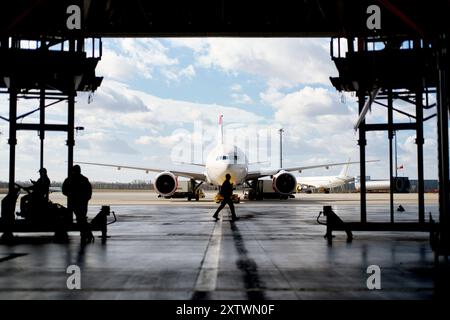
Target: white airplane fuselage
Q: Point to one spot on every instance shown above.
(225, 159)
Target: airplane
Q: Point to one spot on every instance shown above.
(223, 159)
(325, 183)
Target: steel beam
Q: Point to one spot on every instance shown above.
(38, 127)
(366, 107)
(385, 127)
(443, 152)
(12, 141)
(42, 125)
(420, 142)
(362, 159)
(390, 137)
(70, 130)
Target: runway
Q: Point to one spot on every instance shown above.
(144, 197)
(172, 249)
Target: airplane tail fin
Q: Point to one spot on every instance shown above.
(221, 128)
(344, 170)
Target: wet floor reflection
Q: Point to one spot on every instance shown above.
(247, 266)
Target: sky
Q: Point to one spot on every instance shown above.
(159, 103)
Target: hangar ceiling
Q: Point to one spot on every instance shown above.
(139, 18)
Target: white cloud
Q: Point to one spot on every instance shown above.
(318, 126)
(195, 44)
(116, 107)
(149, 52)
(238, 96)
(307, 102)
(271, 96)
(236, 88)
(241, 98)
(283, 62)
(166, 141)
(113, 96)
(174, 74)
(125, 59)
(105, 143)
(188, 72)
(310, 111)
(178, 112)
(115, 66)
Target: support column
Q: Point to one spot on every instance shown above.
(70, 131)
(442, 107)
(420, 142)
(12, 141)
(42, 125)
(362, 159)
(71, 117)
(390, 137)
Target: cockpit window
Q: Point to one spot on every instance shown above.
(223, 157)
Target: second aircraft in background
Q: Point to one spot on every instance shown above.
(324, 183)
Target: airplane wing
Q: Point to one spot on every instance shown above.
(187, 174)
(193, 164)
(264, 173)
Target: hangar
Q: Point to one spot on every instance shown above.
(413, 35)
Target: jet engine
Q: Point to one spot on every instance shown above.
(284, 183)
(166, 183)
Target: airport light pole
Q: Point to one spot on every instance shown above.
(281, 147)
(395, 143)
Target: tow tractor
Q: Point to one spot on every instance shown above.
(263, 189)
(186, 189)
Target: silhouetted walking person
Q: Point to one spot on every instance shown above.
(78, 190)
(226, 190)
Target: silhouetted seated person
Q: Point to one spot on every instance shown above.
(78, 191)
(36, 201)
(226, 190)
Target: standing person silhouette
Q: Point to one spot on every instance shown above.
(78, 190)
(226, 190)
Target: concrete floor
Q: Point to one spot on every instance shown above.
(174, 250)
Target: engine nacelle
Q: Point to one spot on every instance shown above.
(166, 183)
(284, 183)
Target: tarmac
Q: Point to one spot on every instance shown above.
(173, 249)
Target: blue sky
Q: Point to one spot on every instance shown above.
(158, 92)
